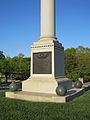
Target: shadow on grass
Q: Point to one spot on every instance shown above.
(87, 88)
(71, 92)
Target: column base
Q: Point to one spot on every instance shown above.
(45, 84)
(40, 85)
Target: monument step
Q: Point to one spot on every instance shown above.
(45, 97)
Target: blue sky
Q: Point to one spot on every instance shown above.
(20, 21)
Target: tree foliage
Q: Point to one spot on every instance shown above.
(17, 67)
(6, 67)
(21, 67)
(77, 62)
(2, 55)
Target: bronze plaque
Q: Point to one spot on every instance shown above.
(42, 63)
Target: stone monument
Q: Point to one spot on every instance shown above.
(47, 56)
(47, 81)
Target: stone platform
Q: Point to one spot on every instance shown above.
(40, 97)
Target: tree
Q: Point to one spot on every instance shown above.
(21, 67)
(70, 51)
(70, 60)
(81, 49)
(77, 62)
(6, 67)
(17, 67)
(20, 55)
(84, 65)
(2, 55)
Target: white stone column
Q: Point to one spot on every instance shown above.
(47, 19)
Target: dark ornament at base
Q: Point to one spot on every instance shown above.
(13, 87)
(78, 84)
(61, 90)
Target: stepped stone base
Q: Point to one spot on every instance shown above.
(42, 97)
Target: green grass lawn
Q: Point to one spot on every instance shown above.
(78, 109)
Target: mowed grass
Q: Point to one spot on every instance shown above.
(78, 109)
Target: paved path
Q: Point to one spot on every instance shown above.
(4, 88)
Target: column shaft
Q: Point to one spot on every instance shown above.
(47, 18)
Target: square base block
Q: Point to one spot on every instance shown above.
(45, 84)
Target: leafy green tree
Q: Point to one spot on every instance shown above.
(6, 67)
(20, 55)
(70, 60)
(70, 51)
(77, 62)
(2, 56)
(84, 65)
(81, 49)
(17, 67)
(21, 67)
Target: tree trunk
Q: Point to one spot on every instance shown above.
(6, 76)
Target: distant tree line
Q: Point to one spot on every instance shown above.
(17, 67)
(77, 62)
